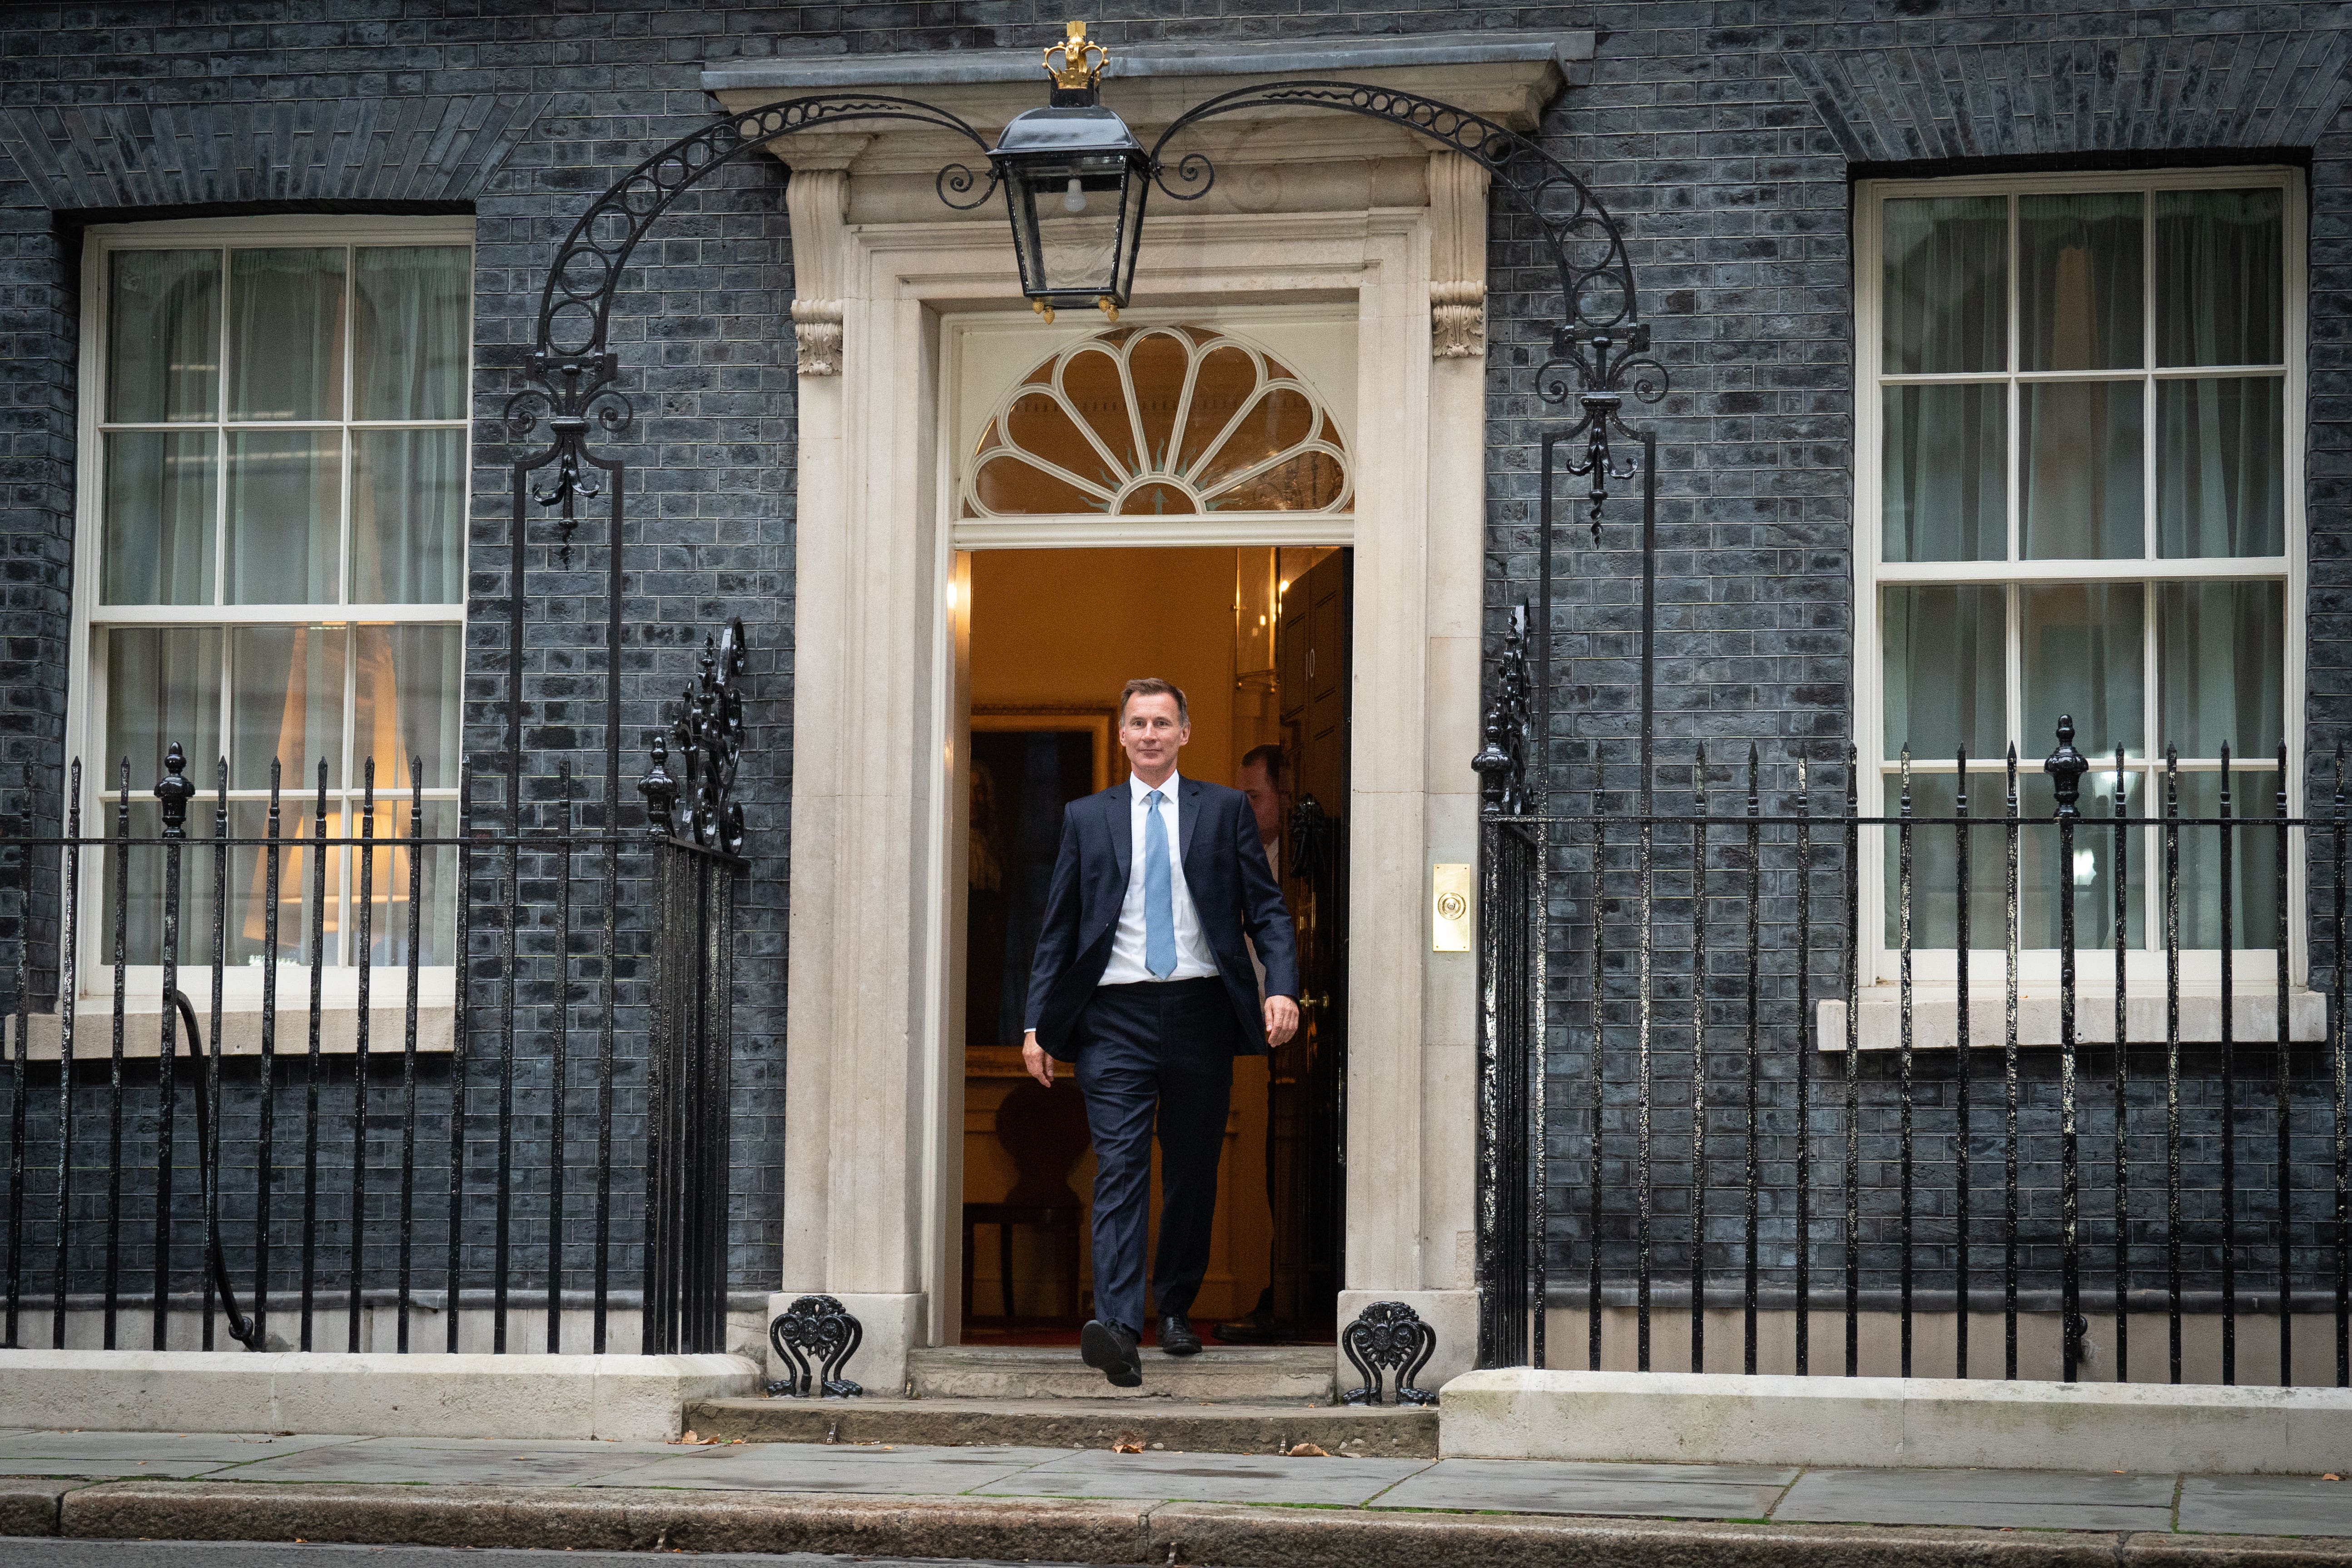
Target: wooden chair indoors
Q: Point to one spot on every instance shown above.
(1044, 1130)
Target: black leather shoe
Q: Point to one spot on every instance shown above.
(1111, 1350)
(1176, 1336)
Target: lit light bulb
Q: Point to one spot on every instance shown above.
(1074, 198)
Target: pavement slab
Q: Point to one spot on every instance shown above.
(1209, 1477)
(797, 1468)
(2266, 1505)
(401, 1461)
(228, 1448)
(1544, 1485)
(2018, 1499)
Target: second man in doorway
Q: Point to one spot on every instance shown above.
(1143, 980)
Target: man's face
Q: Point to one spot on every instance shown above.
(1150, 734)
(1265, 800)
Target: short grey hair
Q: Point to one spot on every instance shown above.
(1152, 686)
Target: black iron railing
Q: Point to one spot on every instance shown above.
(323, 1184)
(1716, 1078)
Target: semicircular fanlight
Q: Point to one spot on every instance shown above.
(1158, 422)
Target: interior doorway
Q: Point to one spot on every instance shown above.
(1259, 639)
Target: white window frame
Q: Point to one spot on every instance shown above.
(85, 716)
(1935, 970)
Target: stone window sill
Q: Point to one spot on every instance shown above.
(1935, 1013)
(240, 1032)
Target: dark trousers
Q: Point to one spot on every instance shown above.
(1166, 1049)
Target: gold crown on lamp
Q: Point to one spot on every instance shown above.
(1081, 62)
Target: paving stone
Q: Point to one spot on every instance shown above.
(805, 1469)
(386, 1460)
(2266, 1505)
(1537, 1486)
(2019, 1500)
(228, 1447)
(1209, 1477)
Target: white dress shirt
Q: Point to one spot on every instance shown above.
(1193, 960)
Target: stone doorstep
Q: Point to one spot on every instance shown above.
(1233, 1535)
(1356, 1431)
(1033, 1371)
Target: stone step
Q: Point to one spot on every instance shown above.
(1356, 1432)
(1299, 1373)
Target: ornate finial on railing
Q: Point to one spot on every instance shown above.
(710, 734)
(1502, 761)
(175, 789)
(2066, 767)
(659, 787)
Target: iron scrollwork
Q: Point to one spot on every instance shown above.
(708, 734)
(816, 1337)
(570, 378)
(1390, 1336)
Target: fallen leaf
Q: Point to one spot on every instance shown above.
(689, 1436)
(2331, 1476)
(1127, 1443)
(1307, 1451)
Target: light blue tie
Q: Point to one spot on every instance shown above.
(1159, 898)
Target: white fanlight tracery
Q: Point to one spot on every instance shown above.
(1159, 421)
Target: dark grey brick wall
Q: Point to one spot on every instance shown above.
(1724, 133)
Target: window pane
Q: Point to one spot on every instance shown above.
(2220, 281)
(1934, 863)
(2220, 468)
(163, 684)
(1946, 299)
(1945, 649)
(2042, 889)
(163, 335)
(286, 691)
(408, 517)
(435, 910)
(158, 518)
(412, 316)
(143, 909)
(2253, 855)
(406, 686)
(286, 334)
(1945, 459)
(284, 495)
(250, 886)
(2084, 656)
(2081, 485)
(2222, 652)
(2078, 289)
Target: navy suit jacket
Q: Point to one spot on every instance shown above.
(1233, 889)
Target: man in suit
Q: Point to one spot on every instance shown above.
(1142, 979)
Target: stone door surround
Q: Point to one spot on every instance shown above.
(1309, 207)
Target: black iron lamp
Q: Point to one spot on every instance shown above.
(1075, 178)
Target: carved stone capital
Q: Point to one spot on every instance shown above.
(1457, 320)
(1457, 257)
(816, 332)
(817, 200)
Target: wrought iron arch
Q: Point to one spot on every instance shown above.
(573, 372)
(1600, 356)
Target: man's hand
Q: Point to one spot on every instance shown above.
(1281, 1020)
(1040, 1065)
